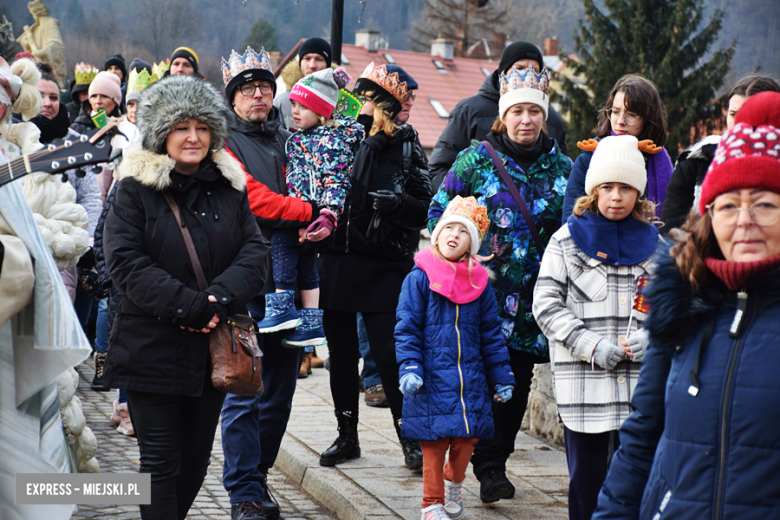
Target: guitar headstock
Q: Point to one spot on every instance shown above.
(67, 154)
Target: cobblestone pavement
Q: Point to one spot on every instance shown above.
(119, 454)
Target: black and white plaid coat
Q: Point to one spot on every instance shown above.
(578, 301)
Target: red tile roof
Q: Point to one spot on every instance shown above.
(463, 78)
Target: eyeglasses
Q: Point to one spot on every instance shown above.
(412, 96)
(364, 99)
(629, 118)
(762, 213)
(248, 89)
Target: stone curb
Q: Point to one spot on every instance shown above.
(334, 490)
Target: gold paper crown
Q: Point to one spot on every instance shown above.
(158, 69)
(138, 81)
(250, 60)
(85, 73)
(388, 81)
(470, 209)
(514, 79)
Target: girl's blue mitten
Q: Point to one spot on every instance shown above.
(504, 392)
(410, 383)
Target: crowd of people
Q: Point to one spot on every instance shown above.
(305, 210)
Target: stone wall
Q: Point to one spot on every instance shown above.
(541, 415)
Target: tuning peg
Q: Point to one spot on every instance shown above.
(64, 177)
(80, 173)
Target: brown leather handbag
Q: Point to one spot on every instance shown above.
(235, 353)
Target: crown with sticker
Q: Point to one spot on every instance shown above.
(469, 208)
(514, 79)
(388, 81)
(138, 81)
(159, 69)
(250, 60)
(85, 73)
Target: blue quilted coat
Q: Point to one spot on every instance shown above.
(714, 455)
(456, 350)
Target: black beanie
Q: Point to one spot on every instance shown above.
(119, 61)
(188, 54)
(520, 50)
(316, 45)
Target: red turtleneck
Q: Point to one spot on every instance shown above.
(735, 274)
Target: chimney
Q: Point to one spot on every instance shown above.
(443, 48)
(367, 38)
(551, 46)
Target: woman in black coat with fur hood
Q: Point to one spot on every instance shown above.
(158, 349)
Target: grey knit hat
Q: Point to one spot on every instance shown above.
(319, 91)
(175, 99)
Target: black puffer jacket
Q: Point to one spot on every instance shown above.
(363, 271)
(684, 188)
(148, 262)
(472, 119)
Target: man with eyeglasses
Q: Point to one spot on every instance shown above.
(253, 427)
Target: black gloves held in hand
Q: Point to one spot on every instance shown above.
(385, 201)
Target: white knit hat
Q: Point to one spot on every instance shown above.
(617, 159)
(468, 212)
(523, 86)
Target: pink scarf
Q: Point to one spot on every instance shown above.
(454, 284)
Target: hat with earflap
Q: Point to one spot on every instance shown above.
(617, 158)
(468, 212)
(748, 155)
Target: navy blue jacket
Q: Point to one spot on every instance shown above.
(715, 455)
(455, 349)
(576, 186)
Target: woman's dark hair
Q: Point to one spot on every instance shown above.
(753, 84)
(641, 98)
(45, 68)
(49, 77)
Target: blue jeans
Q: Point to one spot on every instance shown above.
(253, 427)
(370, 374)
(290, 263)
(102, 331)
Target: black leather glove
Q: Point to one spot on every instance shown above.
(385, 201)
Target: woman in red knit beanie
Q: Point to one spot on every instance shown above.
(702, 441)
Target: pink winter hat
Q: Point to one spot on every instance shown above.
(319, 91)
(108, 84)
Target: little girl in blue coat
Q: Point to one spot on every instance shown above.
(448, 342)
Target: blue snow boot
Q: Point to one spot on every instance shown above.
(280, 313)
(309, 333)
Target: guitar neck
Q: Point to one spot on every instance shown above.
(15, 169)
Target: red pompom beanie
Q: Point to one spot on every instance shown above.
(748, 155)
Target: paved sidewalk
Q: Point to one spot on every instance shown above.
(118, 453)
(378, 485)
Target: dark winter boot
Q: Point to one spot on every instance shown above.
(309, 333)
(280, 313)
(413, 457)
(346, 446)
(97, 381)
(493, 486)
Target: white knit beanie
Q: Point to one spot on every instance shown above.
(523, 86)
(617, 159)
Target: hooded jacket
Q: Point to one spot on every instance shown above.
(684, 188)
(712, 455)
(471, 119)
(455, 348)
(148, 262)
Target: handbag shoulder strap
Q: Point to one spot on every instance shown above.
(516, 195)
(193, 254)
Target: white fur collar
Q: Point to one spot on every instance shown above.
(154, 170)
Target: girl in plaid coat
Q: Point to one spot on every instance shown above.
(583, 303)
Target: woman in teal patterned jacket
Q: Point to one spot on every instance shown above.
(539, 171)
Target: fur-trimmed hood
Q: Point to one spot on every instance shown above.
(154, 170)
(175, 99)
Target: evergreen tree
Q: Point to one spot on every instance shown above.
(660, 39)
(262, 35)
